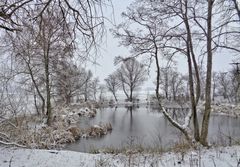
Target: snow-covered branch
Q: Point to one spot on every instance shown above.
(183, 128)
(12, 144)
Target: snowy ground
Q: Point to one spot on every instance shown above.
(215, 157)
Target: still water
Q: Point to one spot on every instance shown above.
(148, 127)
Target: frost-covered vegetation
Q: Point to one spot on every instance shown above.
(220, 157)
(46, 86)
(32, 132)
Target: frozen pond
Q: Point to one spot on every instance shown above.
(147, 127)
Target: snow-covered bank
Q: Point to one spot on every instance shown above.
(223, 109)
(31, 131)
(220, 157)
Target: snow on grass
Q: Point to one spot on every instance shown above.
(223, 109)
(31, 131)
(220, 157)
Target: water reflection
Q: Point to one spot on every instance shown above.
(148, 127)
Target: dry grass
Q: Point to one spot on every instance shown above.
(32, 132)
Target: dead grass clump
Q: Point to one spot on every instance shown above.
(75, 131)
(97, 130)
(33, 133)
(47, 138)
(31, 130)
(182, 147)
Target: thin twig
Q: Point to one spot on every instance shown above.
(10, 162)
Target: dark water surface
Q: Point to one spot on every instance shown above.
(148, 127)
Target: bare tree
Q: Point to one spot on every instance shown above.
(102, 91)
(176, 85)
(171, 83)
(228, 85)
(112, 84)
(167, 41)
(164, 81)
(26, 55)
(87, 89)
(196, 31)
(131, 75)
(224, 83)
(234, 5)
(40, 47)
(70, 81)
(87, 15)
(234, 77)
(95, 88)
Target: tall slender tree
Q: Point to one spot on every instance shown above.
(199, 29)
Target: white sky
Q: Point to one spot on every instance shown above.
(111, 48)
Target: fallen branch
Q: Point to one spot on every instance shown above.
(4, 134)
(13, 144)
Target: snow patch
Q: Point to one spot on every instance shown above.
(220, 157)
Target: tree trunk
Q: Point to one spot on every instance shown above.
(237, 8)
(48, 90)
(191, 58)
(192, 98)
(49, 109)
(35, 102)
(174, 91)
(206, 116)
(124, 90)
(85, 92)
(131, 94)
(68, 99)
(36, 86)
(115, 97)
(166, 85)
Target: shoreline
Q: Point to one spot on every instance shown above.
(216, 156)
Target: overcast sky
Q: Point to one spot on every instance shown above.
(111, 48)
